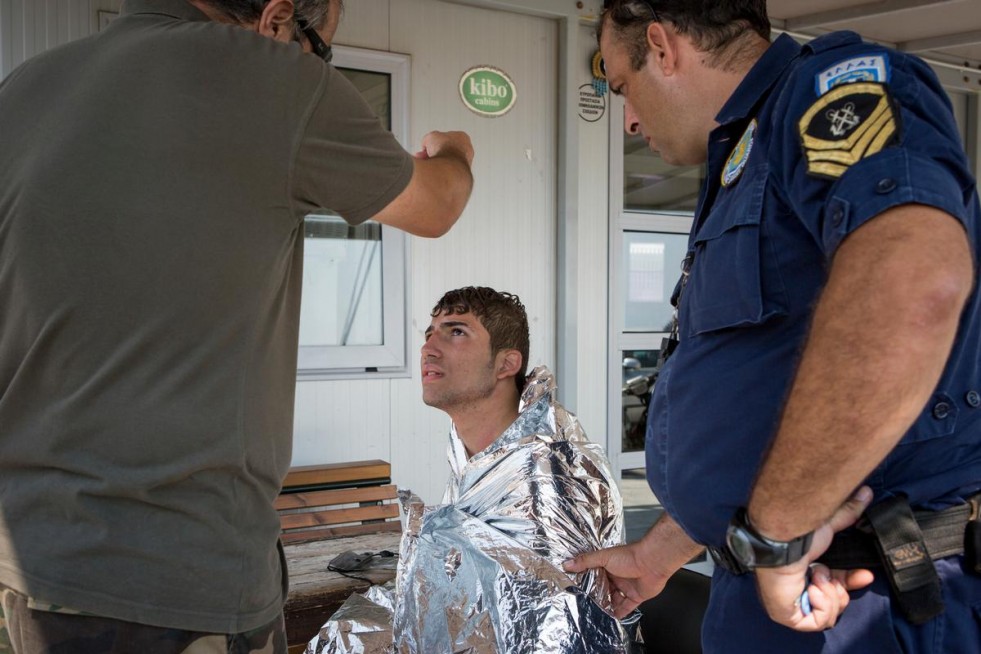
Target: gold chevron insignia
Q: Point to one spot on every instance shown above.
(847, 124)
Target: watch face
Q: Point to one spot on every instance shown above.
(741, 546)
(755, 551)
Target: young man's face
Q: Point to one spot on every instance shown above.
(458, 369)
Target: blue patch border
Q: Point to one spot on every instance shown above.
(886, 66)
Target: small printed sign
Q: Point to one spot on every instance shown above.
(487, 91)
(592, 106)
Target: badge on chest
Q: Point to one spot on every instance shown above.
(739, 156)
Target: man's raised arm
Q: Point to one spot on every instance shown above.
(440, 187)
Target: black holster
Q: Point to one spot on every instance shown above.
(904, 543)
(907, 562)
(972, 537)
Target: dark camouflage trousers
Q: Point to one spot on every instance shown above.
(31, 627)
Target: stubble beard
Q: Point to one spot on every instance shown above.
(456, 399)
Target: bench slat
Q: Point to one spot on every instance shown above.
(338, 532)
(338, 516)
(334, 497)
(331, 508)
(333, 474)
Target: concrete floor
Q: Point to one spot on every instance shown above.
(640, 508)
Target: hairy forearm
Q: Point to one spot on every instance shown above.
(449, 184)
(667, 547)
(439, 189)
(880, 337)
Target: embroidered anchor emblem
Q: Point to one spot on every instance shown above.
(847, 124)
(843, 119)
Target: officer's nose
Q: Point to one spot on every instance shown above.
(631, 124)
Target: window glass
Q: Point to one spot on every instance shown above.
(651, 269)
(342, 283)
(342, 265)
(376, 88)
(352, 315)
(638, 376)
(651, 184)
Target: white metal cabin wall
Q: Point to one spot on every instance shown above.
(505, 238)
(592, 277)
(28, 27)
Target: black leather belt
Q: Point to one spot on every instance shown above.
(943, 536)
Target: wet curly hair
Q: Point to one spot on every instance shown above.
(501, 314)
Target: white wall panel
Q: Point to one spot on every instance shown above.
(29, 27)
(341, 421)
(592, 257)
(506, 237)
(365, 24)
(7, 35)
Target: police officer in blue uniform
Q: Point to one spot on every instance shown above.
(817, 422)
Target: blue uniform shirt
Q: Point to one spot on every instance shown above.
(814, 142)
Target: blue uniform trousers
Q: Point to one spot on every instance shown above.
(735, 621)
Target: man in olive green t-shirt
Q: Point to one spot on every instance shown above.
(153, 183)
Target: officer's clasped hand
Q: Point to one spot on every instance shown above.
(827, 590)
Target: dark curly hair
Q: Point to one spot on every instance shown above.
(501, 314)
(716, 28)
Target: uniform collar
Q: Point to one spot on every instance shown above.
(175, 8)
(761, 77)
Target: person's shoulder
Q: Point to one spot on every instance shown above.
(840, 58)
(838, 67)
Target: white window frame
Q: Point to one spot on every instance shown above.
(627, 221)
(388, 359)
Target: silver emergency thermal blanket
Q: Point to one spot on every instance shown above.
(482, 572)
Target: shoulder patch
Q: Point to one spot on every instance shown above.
(868, 68)
(845, 125)
(739, 155)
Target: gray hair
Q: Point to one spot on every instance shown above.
(312, 12)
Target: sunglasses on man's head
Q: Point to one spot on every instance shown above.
(317, 44)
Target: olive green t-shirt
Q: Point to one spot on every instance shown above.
(153, 184)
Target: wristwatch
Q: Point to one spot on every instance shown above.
(754, 550)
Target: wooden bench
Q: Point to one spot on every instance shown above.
(324, 511)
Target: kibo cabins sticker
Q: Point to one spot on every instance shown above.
(487, 91)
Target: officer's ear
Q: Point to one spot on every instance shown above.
(662, 42)
(276, 21)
